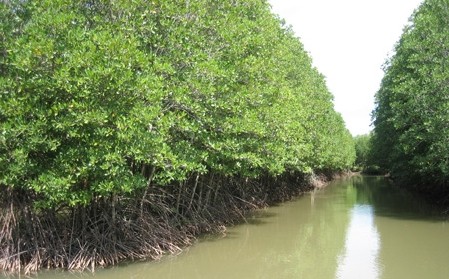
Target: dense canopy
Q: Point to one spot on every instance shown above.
(97, 95)
(411, 136)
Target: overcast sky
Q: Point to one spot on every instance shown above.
(349, 41)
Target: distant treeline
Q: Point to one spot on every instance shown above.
(411, 135)
(157, 104)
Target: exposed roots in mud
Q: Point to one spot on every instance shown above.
(112, 229)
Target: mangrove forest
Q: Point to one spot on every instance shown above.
(128, 128)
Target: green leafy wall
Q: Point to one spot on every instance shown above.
(411, 118)
(99, 98)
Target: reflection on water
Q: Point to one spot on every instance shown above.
(362, 246)
(360, 227)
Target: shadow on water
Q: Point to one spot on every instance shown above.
(389, 200)
(257, 218)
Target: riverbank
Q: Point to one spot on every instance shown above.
(162, 220)
(400, 233)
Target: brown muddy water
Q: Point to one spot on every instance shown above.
(358, 227)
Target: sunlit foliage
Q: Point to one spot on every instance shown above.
(101, 98)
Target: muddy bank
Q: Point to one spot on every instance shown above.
(158, 221)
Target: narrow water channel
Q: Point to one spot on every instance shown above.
(360, 227)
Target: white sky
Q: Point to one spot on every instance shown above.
(349, 41)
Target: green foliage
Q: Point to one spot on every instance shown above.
(362, 149)
(96, 94)
(411, 136)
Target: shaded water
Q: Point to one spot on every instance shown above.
(360, 227)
